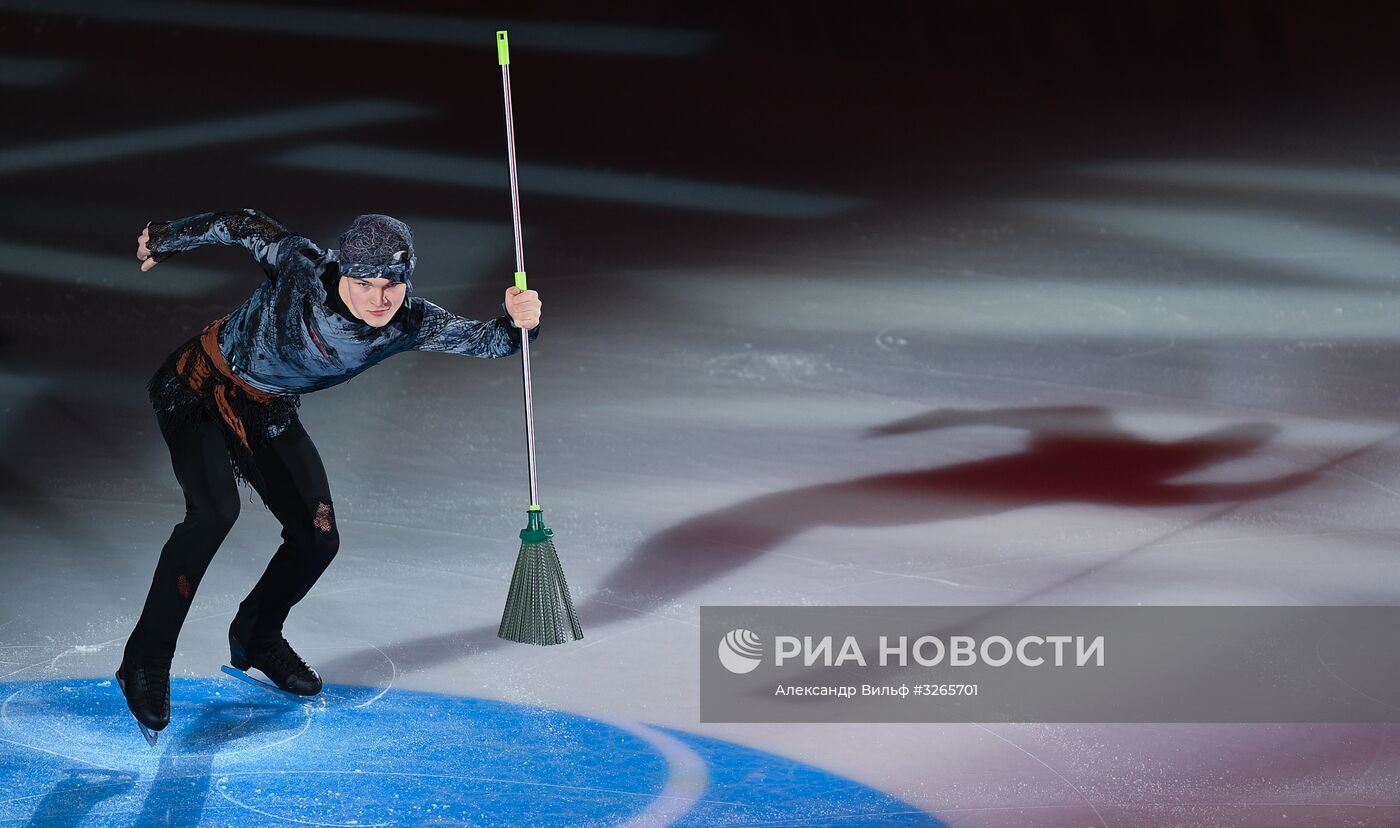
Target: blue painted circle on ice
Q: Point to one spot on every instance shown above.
(237, 755)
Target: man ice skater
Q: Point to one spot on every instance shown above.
(226, 404)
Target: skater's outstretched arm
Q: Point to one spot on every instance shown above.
(441, 330)
(253, 230)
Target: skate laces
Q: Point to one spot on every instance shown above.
(155, 681)
(282, 653)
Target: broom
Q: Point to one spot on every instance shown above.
(538, 602)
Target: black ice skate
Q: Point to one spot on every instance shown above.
(147, 691)
(291, 677)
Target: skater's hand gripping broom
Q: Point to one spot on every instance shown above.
(538, 603)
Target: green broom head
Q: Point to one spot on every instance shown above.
(538, 607)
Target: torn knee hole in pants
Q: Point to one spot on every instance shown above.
(325, 517)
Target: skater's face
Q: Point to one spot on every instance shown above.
(372, 301)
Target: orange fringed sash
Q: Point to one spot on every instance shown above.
(199, 373)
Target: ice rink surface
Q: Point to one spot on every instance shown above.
(817, 331)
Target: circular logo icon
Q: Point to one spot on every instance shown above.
(740, 651)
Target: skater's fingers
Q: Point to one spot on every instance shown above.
(524, 312)
(148, 264)
(524, 307)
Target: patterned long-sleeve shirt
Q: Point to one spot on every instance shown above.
(289, 337)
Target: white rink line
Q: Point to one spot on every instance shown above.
(1278, 240)
(568, 182)
(685, 783)
(164, 139)
(1224, 175)
(120, 274)
(349, 24)
(31, 71)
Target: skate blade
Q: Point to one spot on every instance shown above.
(151, 735)
(268, 686)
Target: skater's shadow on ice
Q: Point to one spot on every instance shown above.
(224, 725)
(73, 797)
(1075, 454)
(181, 786)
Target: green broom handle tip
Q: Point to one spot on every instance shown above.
(503, 48)
(534, 507)
(520, 281)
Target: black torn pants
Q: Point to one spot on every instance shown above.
(294, 487)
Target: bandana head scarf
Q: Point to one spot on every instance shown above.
(377, 247)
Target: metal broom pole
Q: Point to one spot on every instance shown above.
(538, 605)
(503, 55)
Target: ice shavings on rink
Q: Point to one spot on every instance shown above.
(235, 756)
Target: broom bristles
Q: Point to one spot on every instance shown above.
(538, 604)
